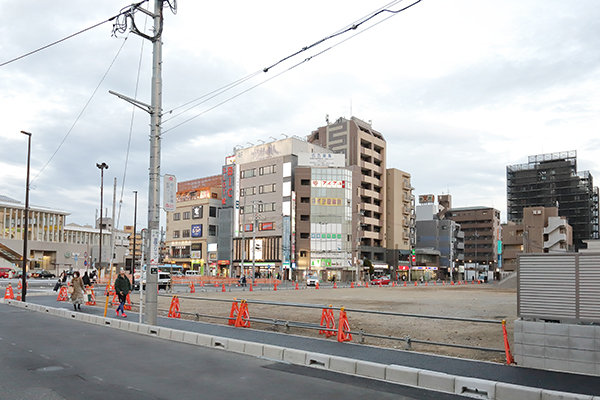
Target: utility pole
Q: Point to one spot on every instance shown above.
(155, 111)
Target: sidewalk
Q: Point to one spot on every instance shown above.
(463, 375)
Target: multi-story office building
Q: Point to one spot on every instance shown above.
(481, 228)
(366, 148)
(552, 180)
(326, 231)
(265, 194)
(192, 229)
(399, 220)
(542, 231)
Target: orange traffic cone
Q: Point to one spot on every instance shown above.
(327, 322)
(243, 317)
(8, 293)
(174, 311)
(63, 295)
(416, 283)
(275, 287)
(443, 283)
(344, 334)
(234, 313)
(334, 285)
(452, 283)
(297, 288)
(317, 285)
(251, 286)
(509, 357)
(366, 284)
(352, 285)
(192, 287)
(425, 283)
(223, 290)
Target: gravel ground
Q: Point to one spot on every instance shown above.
(485, 301)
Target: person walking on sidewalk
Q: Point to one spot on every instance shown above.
(78, 291)
(122, 288)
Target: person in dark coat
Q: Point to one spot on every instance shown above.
(122, 288)
(78, 291)
(86, 279)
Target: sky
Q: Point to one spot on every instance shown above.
(459, 90)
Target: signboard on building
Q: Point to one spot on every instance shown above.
(321, 160)
(197, 230)
(426, 198)
(286, 242)
(196, 250)
(228, 186)
(329, 184)
(170, 193)
(325, 201)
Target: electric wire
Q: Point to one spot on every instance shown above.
(225, 88)
(394, 13)
(66, 38)
(82, 110)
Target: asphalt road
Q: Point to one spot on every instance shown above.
(50, 358)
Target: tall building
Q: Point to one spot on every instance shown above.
(481, 228)
(193, 227)
(365, 148)
(400, 206)
(552, 180)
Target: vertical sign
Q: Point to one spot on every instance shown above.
(170, 192)
(286, 242)
(228, 185)
(154, 246)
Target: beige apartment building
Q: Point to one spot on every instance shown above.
(364, 147)
(400, 204)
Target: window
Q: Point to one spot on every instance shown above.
(303, 254)
(249, 191)
(176, 216)
(212, 230)
(269, 169)
(305, 200)
(265, 207)
(249, 173)
(212, 212)
(305, 182)
(270, 188)
(304, 235)
(305, 218)
(185, 233)
(175, 234)
(187, 214)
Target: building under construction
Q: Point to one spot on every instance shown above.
(552, 180)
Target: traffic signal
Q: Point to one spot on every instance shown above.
(413, 257)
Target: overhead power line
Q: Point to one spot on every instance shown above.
(223, 89)
(71, 36)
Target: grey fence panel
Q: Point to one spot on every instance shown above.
(559, 287)
(589, 288)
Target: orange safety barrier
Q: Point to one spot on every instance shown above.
(343, 334)
(243, 317)
(201, 283)
(8, 293)
(509, 357)
(452, 283)
(234, 313)
(192, 287)
(109, 289)
(174, 311)
(63, 295)
(327, 322)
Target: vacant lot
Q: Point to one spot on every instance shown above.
(486, 301)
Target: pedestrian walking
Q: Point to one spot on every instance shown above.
(78, 291)
(86, 279)
(122, 288)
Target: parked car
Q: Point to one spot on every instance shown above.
(312, 280)
(383, 280)
(7, 272)
(41, 274)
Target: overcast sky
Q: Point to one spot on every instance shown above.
(459, 89)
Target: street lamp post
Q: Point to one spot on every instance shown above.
(102, 167)
(26, 233)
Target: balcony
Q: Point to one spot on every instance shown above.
(370, 166)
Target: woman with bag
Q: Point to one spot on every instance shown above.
(78, 291)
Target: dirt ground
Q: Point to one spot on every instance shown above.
(486, 301)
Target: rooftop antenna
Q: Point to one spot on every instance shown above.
(283, 134)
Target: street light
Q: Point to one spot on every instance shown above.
(102, 167)
(25, 237)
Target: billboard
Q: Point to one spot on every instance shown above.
(426, 198)
(228, 185)
(321, 160)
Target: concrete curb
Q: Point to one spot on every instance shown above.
(430, 380)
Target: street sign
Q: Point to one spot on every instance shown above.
(170, 191)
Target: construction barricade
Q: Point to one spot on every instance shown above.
(63, 294)
(243, 317)
(327, 322)
(174, 311)
(343, 334)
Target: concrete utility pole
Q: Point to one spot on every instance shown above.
(155, 110)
